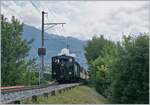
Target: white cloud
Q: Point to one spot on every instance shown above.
(85, 18)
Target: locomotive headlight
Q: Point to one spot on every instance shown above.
(70, 60)
(70, 73)
(56, 60)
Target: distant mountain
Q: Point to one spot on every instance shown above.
(53, 44)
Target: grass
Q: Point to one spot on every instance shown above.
(77, 95)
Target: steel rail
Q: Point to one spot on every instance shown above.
(15, 89)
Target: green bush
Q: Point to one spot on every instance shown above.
(120, 70)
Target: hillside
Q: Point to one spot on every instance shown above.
(53, 43)
(77, 95)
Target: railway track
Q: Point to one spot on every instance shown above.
(11, 94)
(10, 89)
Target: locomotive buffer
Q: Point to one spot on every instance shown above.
(42, 50)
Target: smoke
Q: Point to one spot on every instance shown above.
(66, 52)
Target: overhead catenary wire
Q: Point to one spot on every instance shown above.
(15, 13)
(36, 7)
(38, 10)
(46, 15)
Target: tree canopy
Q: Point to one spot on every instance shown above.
(119, 71)
(14, 52)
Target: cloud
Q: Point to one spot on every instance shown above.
(84, 18)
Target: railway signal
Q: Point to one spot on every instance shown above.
(42, 50)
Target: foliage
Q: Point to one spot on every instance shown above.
(93, 50)
(95, 47)
(102, 65)
(131, 79)
(120, 72)
(14, 50)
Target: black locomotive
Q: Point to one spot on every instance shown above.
(66, 69)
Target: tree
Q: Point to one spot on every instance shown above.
(14, 50)
(93, 50)
(131, 73)
(102, 65)
(120, 70)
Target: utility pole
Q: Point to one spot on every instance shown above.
(42, 57)
(43, 27)
(42, 50)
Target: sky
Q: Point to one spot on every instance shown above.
(84, 19)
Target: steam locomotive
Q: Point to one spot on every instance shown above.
(65, 69)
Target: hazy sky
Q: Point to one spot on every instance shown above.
(84, 18)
